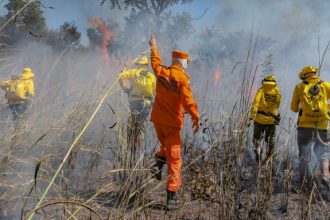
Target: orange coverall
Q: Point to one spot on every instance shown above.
(172, 95)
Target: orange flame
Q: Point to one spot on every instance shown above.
(107, 35)
(217, 76)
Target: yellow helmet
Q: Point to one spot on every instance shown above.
(270, 80)
(27, 73)
(307, 71)
(27, 70)
(142, 60)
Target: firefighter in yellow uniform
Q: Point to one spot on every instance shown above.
(310, 99)
(264, 113)
(19, 91)
(142, 88)
(140, 85)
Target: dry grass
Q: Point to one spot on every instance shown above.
(106, 175)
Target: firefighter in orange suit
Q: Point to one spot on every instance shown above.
(173, 95)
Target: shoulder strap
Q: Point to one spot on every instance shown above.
(320, 82)
(143, 73)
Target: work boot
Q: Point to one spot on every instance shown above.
(325, 180)
(172, 200)
(156, 169)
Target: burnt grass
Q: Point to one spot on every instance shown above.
(219, 181)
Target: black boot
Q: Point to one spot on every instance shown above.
(172, 200)
(156, 169)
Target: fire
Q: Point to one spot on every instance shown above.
(217, 76)
(107, 35)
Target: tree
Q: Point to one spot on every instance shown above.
(31, 18)
(151, 17)
(229, 51)
(94, 37)
(28, 23)
(97, 38)
(153, 6)
(69, 34)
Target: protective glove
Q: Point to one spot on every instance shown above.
(195, 121)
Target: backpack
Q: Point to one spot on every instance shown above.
(142, 84)
(16, 89)
(314, 103)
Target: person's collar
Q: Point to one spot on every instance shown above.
(312, 78)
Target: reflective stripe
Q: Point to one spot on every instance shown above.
(265, 113)
(141, 97)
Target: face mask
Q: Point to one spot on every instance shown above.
(184, 63)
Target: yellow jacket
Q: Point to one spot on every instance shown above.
(267, 100)
(297, 101)
(24, 90)
(142, 87)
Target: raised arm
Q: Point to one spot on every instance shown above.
(156, 60)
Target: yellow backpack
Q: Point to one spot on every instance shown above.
(16, 90)
(314, 103)
(143, 84)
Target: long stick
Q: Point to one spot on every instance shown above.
(68, 202)
(72, 146)
(323, 56)
(75, 142)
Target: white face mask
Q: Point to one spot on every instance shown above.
(184, 63)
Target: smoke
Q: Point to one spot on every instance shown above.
(77, 79)
(80, 12)
(68, 85)
(107, 36)
(217, 76)
(292, 24)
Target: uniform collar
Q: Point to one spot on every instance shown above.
(143, 68)
(312, 79)
(177, 67)
(181, 70)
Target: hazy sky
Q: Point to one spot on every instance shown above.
(80, 10)
(292, 23)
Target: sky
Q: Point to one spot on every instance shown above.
(79, 11)
(293, 24)
(282, 19)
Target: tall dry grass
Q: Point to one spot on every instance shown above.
(106, 175)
